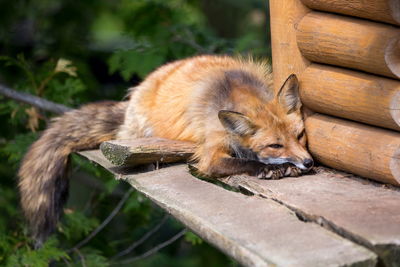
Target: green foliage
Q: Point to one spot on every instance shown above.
(55, 80)
(25, 256)
(158, 32)
(74, 52)
(135, 62)
(136, 203)
(15, 149)
(193, 238)
(65, 90)
(76, 225)
(89, 257)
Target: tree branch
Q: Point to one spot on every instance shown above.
(81, 257)
(154, 249)
(105, 222)
(35, 101)
(142, 239)
(189, 40)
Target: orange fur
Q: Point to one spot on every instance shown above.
(181, 100)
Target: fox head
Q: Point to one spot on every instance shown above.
(272, 132)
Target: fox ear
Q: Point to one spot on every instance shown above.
(236, 123)
(288, 95)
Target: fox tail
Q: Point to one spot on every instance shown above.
(43, 182)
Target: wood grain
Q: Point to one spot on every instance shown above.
(124, 153)
(355, 208)
(254, 231)
(350, 42)
(379, 10)
(352, 95)
(353, 147)
(286, 57)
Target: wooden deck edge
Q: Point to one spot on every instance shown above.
(282, 240)
(372, 222)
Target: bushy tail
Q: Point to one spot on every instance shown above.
(43, 183)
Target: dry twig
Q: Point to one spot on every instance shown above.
(154, 249)
(105, 222)
(142, 239)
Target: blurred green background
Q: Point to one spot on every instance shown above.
(102, 47)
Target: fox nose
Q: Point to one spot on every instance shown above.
(308, 163)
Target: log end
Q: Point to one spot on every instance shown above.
(117, 155)
(395, 166)
(395, 108)
(395, 10)
(392, 56)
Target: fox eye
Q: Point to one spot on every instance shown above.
(275, 146)
(301, 135)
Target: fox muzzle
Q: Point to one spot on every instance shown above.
(305, 165)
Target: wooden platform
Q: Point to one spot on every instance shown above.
(359, 210)
(325, 219)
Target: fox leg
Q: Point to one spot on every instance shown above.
(227, 166)
(232, 166)
(279, 171)
(215, 161)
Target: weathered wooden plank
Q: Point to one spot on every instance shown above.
(354, 147)
(380, 10)
(146, 150)
(350, 42)
(357, 209)
(352, 95)
(253, 230)
(286, 56)
(142, 151)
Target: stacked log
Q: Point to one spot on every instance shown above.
(352, 95)
(349, 58)
(355, 147)
(386, 11)
(351, 43)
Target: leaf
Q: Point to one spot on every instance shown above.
(77, 225)
(37, 258)
(8, 198)
(111, 184)
(34, 116)
(16, 148)
(134, 204)
(64, 65)
(64, 91)
(91, 258)
(193, 238)
(132, 62)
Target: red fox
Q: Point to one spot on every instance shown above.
(226, 105)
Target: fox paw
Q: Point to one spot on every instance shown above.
(292, 171)
(278, 171)
(271, 172)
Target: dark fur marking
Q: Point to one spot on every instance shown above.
(243, 77)
(224, 85)
(232, 166)
(242, 152)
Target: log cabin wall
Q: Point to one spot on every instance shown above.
(347, 57)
